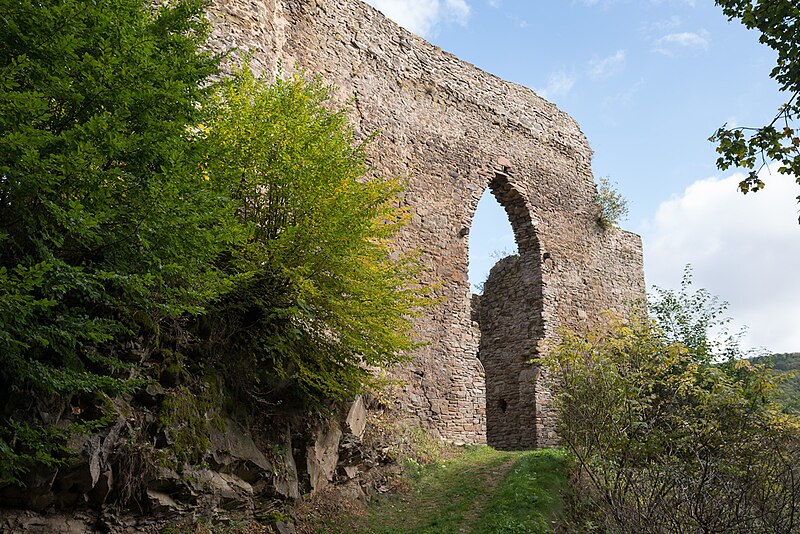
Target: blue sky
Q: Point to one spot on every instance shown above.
(648, 81)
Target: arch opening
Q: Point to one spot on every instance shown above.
(509, 316)
(491, 239)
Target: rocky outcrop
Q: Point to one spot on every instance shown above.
(238, 476)
(322, 455)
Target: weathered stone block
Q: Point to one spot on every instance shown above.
(323, 455)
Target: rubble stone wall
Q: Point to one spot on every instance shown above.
(510, 330)
(454, 131)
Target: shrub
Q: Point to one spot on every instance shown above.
(103, 216)
(667, 441)
(105, 222)
(323, 298)
(613, 206)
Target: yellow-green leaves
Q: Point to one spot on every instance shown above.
(665, 440)
(319, 231)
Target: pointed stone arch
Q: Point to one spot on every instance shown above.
(510, 319)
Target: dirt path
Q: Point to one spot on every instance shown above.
(493, 479)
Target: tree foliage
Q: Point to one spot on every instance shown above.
(103, 217)
(325, 297)
(158, 225)
(106, 227)
(668, 441)
(778, 21)
(696, 319)
(786, 370)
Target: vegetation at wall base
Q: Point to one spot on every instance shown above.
(323, 300)
(159, 229)
(670, 432)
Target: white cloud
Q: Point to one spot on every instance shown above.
(458, 9)
(422, 16)
(495, 3)
(671, 42)
(659, 27)
(743, 248)
(607, 66)
(558, 84)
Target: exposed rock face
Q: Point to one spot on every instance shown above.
(33, 523)
(323, 455)
(454, 130)
(356, 420)
(236, 478)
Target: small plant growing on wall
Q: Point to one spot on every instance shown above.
(613, 206)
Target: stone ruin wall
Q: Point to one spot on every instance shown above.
(454, 131)
(510, 329)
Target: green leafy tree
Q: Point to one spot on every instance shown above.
(325, 299)
(665, 439)
(696, 319)
(752, 148)
(107, 227)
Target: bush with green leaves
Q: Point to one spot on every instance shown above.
(696, 319)
(324, 298)
(104, 218)
(105, 223)
(666, 439)
(613, 206)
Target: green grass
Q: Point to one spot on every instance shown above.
(468, 492)
(530, 498)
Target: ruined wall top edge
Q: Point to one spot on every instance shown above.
(359, 29)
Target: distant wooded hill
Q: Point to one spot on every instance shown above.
(789, 366)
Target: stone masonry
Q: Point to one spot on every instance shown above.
(454, 131)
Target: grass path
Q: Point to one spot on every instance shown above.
(482, 491)
(494, 478)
